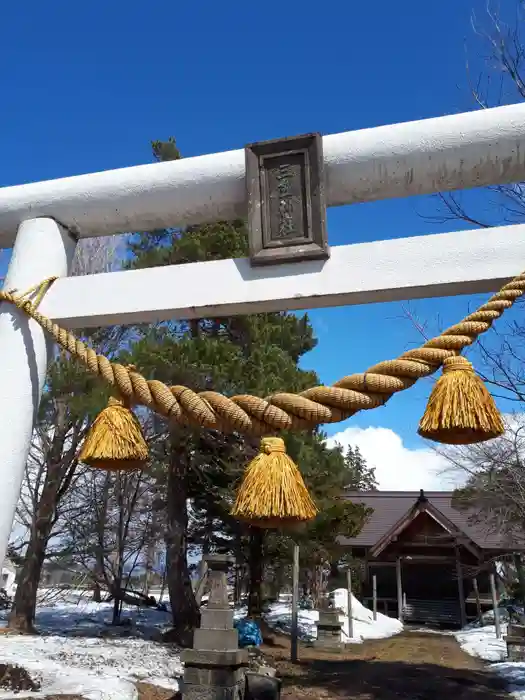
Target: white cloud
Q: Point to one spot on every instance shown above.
(398, 468)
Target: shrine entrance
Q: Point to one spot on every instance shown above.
(432, 563)
(282, 188)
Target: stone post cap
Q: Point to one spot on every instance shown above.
(219, 562)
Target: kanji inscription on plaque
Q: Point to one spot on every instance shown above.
(286, 207)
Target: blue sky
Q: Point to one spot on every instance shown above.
(87, 86)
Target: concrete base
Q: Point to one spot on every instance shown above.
(214, 675)
(215, 639)
(515, 648)
(329, 632)
(207, 692)
(515, 640)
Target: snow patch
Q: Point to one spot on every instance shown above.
(481, 641)
(279, 616)
(75, 655)
(514, 674)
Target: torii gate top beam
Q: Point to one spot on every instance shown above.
(474, 149)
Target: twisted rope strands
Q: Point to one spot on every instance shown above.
(283, 411)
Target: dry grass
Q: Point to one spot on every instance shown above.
(411, 665)
(151, 692)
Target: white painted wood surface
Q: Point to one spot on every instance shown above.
(446, 153)
(464, 262)
(42, 249)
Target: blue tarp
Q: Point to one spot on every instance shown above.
(249, 633)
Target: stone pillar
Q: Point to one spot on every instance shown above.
(215, 668)
(329, 631)
(515, 640)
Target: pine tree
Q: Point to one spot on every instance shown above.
(256, 354)
(360, 476)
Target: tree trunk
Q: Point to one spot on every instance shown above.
(97, 593)
(237, 585)
(98, 576)
(151, 552)
(22, 614)
(60, 468)
(317, 585)
(117, 607)
(256, 573)
(186, 615)
(240, 570)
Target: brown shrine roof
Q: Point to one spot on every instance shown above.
(391, 506)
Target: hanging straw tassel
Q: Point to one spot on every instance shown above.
(460, 410)
(115, 440)
(273, 493)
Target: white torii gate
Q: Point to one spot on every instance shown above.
(43, 221)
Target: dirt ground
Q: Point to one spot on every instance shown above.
(146, 692)
(411, 666)
(150, 692)
(415, 666)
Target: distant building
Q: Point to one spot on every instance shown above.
(55, 573)
(9, 571)
(431, 562)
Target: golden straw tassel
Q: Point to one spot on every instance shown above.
(115, 440)
(272, 492)
(460, 410)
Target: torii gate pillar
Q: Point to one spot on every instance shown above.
(42, 249)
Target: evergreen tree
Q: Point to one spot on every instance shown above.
(256, 354)
(360, 476)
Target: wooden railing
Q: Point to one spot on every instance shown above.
(433, 611)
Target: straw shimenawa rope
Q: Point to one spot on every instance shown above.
(283, 411)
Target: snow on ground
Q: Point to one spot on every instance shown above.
(78, 653)
(279, 616)
(365, 627)
(480, 640)
(514, 674)
(429, 630)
